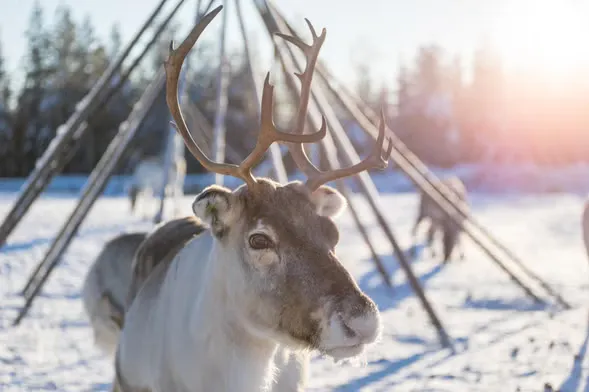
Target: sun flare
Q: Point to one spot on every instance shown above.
(545, 36)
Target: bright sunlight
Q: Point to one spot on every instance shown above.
(543, 36)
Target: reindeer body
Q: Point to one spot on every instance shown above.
(107, 285)
(148, 178)
(185, 354)
(439, 222)
(198, 300)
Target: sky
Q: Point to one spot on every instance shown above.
(380, 33)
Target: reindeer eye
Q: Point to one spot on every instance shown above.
(260, 241)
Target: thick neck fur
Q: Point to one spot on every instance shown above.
(225, 353)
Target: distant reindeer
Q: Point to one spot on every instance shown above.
(148, 178)
(440, 222)
(107, 286)
(585, 225)
(211, 312)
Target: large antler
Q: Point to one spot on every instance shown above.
(268, 132)
(316, 177)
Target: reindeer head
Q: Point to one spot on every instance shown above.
(283, 235)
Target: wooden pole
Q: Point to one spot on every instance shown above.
(275, 153)
(92, 190)
(174, 146)
(223, 74)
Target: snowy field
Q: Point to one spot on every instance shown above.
(503, 341)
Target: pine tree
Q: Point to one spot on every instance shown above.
(92, 53)
(404, 94)
(4, 83)
(5, 116)
(115, 42)
(484, 99)
(425, 121)
(28, 119)
(428, 73)
(93, 61)
(5, 91)
(364, 84)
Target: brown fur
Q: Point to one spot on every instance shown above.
(309, 238)
(289, 294)
(160, 247)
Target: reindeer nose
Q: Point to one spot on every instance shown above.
(363, 321)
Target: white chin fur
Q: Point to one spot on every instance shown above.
(339, 353)
(335, 342)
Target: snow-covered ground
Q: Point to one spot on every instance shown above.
(503, 341)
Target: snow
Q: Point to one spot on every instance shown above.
(503, 341)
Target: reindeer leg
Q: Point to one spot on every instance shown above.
(177, 207)
(174, 198)
(418, 221)
(416, 225)
(431, 232)
(460, 248)
(450, 240)
(178, 193)
(148, 203)
(139, 205)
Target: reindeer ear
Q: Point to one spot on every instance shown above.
(328, 201)
(217, 207)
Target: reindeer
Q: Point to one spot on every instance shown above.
(148, 178)
(212, 313)
(107, 286)
(440, 222)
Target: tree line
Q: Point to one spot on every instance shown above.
(449, 111)
(446, 111)
(65, 58)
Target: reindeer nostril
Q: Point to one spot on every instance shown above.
(350, 333)
(359, 320)
(365, 326)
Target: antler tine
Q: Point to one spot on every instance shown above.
(173, 65)
(313, 33)
(270, 134)
(376, 160)
(311, 53)
(269, 128)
